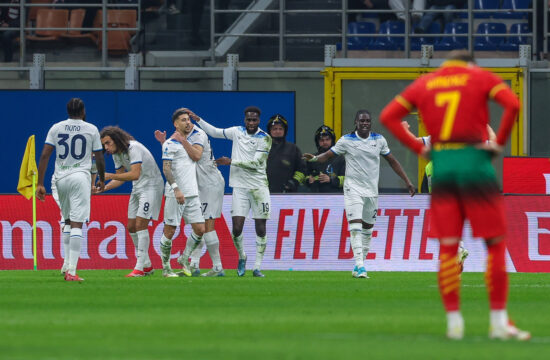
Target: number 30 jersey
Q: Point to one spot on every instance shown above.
(74, 142)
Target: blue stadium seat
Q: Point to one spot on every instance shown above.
(516, 39)
(359, 42)
(488, 42)
(456, 41)
(417, 42)
(483, 5)
(387, 42)
(513, 6)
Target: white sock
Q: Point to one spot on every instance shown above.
(75, 242)
(143, 249)
(366, 237)
(165, 250)
(261, 242)
(356, 243)
(498, 318)
(66, 238)
(135, 240)
(213, 246)
(192, 243)
(461, 244)
(454, 319)
(238, 241)
(196, 254)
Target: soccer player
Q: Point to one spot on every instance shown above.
(453, 103)
(74, 140)
(362, 149)
(133, 162)
(248, 179)
(191, 140)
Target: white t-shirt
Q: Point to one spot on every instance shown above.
(362, 161)
(208, 175)
(183, 169)
(74, 142)
(137, 153)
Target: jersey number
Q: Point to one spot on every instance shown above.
(450, 100)
(73, 146)
(203, 207)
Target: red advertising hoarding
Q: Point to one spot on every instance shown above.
(526, 175)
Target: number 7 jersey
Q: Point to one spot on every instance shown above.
(74, 142)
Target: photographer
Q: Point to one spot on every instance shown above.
(326, 177)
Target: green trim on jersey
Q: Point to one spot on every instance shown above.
(462, 167)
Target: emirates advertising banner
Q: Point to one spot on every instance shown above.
(305, 232)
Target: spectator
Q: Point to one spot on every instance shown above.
(369, 5)
(285, 166)
(430, 17)
(326, 177)
(9, 17)
(415, 8)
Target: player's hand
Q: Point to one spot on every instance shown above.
(224, 160)
(307, 156)
(40, 192)
(192, 115)
(178, 137)
(492, 147)
(324, 178)
(411, 189)
(425, 153)
(160, 136)
(109, 176)
(179, 196)
(100, 186)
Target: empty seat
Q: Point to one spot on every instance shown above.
(118, 40)
(417, 42)
(390, 42)
(50, 18)
(513, 6)
(76, 20)
(488, 42)
(33, 10)
(359, 42)
(458, 40)
(516, 37)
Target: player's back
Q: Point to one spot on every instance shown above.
(74, 141)
(138, 153)
(453, 101)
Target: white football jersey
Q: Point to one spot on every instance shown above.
(245, 150)
(74, 142)
(362, 161)
(208, 175)
(137, 153)
(183, 169)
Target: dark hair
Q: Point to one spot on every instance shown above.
(179, 112)
(75, 108)
(253, 109)
(120, 137)
(362, 111)
(461, 55)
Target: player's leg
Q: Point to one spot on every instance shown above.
(260, 201)
(194, 265)
(149, 209)
(354, 207)
(172, 218)
(240, 207)
(133, 206)
(192, 214)
(139, 226)
(213, 246)
(65, 230)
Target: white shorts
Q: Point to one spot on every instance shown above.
(56, 198)
(74, 193)
(146, 203)
(211, 201)
(190, 211)
(259, 200)
(360, 207)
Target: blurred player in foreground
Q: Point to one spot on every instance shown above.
(453, 105)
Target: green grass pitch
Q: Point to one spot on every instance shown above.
(287, 315)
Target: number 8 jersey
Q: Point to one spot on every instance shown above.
(74, 142)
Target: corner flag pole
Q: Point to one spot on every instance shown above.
(34, 220)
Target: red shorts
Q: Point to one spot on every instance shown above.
(449, 210)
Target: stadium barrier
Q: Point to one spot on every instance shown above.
(305, 232)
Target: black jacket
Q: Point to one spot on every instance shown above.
(335, 167)
(285, 167)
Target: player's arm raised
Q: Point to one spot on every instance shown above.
(321, 158)
(210, 129)
(194, 151)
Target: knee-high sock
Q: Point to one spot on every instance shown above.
(143, 249)
(356, 243)
(75, 242)
(366, 236)
(496, 277)
(196, 254)
(165, 250)
(449, 277)
(193, 242)
(261, 242)
(66, 238)
(135, 240)
(213, 246)
(238, 241)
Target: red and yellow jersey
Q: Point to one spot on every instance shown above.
(453, 101)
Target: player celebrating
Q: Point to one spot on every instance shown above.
(189, 144)
(74, 140)
(133, 162)
(362, 149)
(248, 179)
(453, 104)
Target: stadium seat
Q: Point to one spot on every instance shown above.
(389, 42)
(118, 41)
(50, 18)
(359, 42)
(483, 5)
(33, 11)
(456, 41)
(516, 38)
(488, 42)
(417, 42)
(513, 6)
(76, 20)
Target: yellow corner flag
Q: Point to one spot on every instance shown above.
(28, 169)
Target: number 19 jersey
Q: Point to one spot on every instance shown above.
(74, 142)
